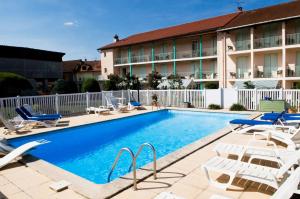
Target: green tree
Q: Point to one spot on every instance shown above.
(12, 84)
(175, 81)
(132, 82)
(114, 82)
(61, 87)
(154, 80)
(211, 85)
(90, 85)
(248, 85)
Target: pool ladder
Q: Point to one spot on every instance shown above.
(133, 162)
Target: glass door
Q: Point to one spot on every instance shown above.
(297, 64)
(270, 65)
(242, 67)
(195, 48)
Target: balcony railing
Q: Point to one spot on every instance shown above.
(293, 71)
(242, 45)
(267, 42)
(273, 74)
(240, 75)
(292, 39)
(137, 59)
(167, 56)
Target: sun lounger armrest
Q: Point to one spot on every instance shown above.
(264, 134)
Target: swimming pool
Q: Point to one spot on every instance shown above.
(89, 151)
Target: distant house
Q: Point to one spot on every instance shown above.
(41, 67)
(78, 70)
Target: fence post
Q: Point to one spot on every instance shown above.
(169, 97)
(255, 99)
(204, 103)
(18, 101)
(147, 97)
(56, 103)
(129, 96)
(87, 100)
(282, 94)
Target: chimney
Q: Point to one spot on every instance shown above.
(239, 9)
(116, 38)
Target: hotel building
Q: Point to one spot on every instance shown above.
(261, 46)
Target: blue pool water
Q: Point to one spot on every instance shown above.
(89, 150)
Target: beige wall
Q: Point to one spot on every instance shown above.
(107, 63)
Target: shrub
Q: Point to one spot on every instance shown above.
(214, 106)
(12, 84)
(90, 85)
(237, 107)
(113, 82)
(61, 87)
(248, 85)
(154, 80)
(211, 85)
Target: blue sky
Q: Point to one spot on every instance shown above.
(79, 27)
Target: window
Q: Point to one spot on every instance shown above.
(195, 48)
(104, 54)
(105, 70)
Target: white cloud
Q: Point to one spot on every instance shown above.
(70, 23)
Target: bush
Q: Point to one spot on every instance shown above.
(90, 85)
(113, 82)
(12, 84)
(237, 107)
(211, 85)
(154, 79)
(61, 87)
(214, 106)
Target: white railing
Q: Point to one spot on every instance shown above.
(65, 104)
(250, 97)
(72, 104)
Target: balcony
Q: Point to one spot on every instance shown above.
(242, 45)
(292, 39)
(163, 56)
(240, 74)
(120, 61)
(167, 56)
(274, 73)
(293, 70)
(268, 42)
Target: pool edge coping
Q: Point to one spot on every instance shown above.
(90, 189)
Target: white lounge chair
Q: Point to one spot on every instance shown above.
(291, 138)
(4, 148)
(243, 129)
(254, 151)
(97, 110)
(286, 190)
(11, 126)
(20, 151)
(113, 103)
(257, 173)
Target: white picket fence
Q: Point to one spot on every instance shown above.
(71, 104)
(250, 97)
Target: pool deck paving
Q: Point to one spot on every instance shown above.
(183, 178)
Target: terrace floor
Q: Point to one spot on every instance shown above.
(184, 178)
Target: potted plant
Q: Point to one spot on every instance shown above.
(292, 109)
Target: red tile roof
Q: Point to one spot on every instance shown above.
(75, 66)
(276, 12)
(201, 26)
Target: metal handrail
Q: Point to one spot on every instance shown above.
(154, 157)
(133, 163)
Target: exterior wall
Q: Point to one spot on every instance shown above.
(252, 42)
(107, 63)
(32, 69)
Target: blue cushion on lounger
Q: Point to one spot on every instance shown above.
(250, 122)
(134, 103)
